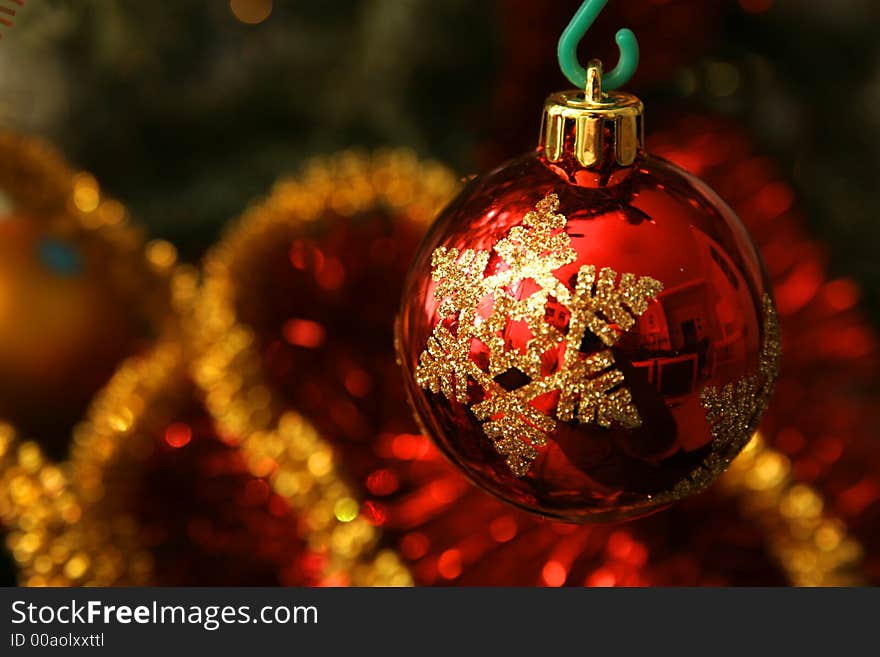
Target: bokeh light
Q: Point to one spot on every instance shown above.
(251, 12)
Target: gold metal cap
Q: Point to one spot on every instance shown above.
(599, 130)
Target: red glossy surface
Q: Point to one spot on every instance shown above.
(703, 330)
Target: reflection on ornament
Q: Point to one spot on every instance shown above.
(734, 411)
(60, 257)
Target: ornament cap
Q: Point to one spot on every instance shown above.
(592, 129)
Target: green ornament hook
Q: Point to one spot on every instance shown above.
(575, 31)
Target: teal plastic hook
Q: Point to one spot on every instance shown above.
(575, 31)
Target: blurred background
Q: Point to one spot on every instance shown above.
(189, 111)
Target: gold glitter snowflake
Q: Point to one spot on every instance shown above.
(734, 410)
(476, 314)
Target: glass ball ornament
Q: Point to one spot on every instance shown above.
(61, 328)
(587, 331)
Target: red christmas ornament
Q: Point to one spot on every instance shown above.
(587, 331)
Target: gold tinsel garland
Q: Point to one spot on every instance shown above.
(71, 523)
(65, 527)
(34, 177)
(68, 520)
(39, 506)
(813, 547)
(278, 443)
